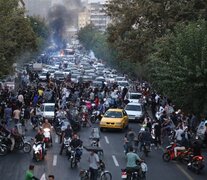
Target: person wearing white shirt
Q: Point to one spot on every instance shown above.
(93, 165)
(178, 134)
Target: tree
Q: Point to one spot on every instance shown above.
(136, 24)
(178, 66)
(16, 35)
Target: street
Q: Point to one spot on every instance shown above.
(14, 165)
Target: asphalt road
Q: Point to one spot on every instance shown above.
(14, 165)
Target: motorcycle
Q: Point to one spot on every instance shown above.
(183, 156)
(38, 153)
(36, 121)
(20, 144)
(196, 164)
(67, 145)
(84, 120)
(3, 147)
(47, 137)
(134, 175)
(74, 156)
(146, 148)
(95, 117)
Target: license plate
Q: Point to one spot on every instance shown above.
(123, 176)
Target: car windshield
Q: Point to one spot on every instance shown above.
(59, 75)
(49, 108)
(133, 108)
(123, 84)
(135, 96)
(113, 114)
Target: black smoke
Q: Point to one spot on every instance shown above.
(62, 17)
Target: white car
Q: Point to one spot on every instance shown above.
(201, 129)
(123, 84)
(135, 111)
(43, 76)
(47, 110)
(134, 97)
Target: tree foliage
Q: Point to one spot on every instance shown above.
(94, 40)
(16, 34)
(137, 23)
(178, 66)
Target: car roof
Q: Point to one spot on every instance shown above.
(116, 110)
(134, 104)
(48, 104)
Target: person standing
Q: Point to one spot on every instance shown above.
(16, 115)
(93, 165)
(8, 114)
(30, 174)
(157, 133)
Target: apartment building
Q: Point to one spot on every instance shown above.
(94, 14)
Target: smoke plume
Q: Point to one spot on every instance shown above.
(61, 17)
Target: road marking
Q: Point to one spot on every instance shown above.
(115, 161)
(181, 168)
(184, 172)
(106, 139)
(56, 138)
(54, 163)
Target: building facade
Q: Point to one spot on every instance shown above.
(38, 7)
(94, 14)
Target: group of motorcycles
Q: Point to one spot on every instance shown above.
(194, 163)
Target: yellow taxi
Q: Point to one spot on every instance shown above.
(114, 119)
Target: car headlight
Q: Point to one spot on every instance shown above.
(102, 123)
(119, 124)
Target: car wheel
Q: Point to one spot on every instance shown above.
(101, 129)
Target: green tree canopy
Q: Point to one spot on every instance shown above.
(137, 23)
(16, 35)
(178, 66)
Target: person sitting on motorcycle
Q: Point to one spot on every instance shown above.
(144, 137)
(76, 144)
(45, 125)
(129, 139)
(14, 136)
(65, 134)
(7, 133)
(183, 145)
(132, 161)
(39, 138)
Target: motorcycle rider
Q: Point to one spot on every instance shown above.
(129, 139)
(7, 133)
(46, 124)
(144, 137)
(132, 159)
(183, 145)
(65, 134)
(39, 139)
(76, 143)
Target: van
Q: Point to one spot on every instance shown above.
(47, 111)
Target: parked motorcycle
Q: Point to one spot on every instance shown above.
(183, 156)
(196, 164)
(38, 152)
